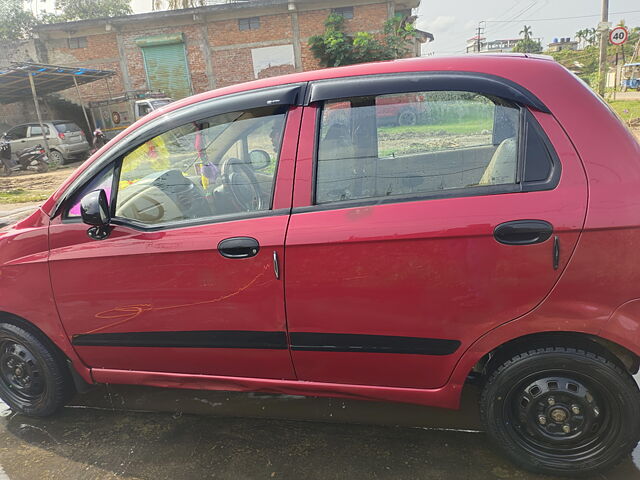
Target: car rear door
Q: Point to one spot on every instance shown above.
(406, 244)
(35, 135)
(188, 279)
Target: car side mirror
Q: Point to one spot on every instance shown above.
(94, 210)
(259, 159)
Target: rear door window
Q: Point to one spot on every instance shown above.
(425, 143)
(36, 130)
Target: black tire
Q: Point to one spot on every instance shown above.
(34, 380)
(407, 118)
(56, 157)
(550, 383)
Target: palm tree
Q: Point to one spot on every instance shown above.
(526, 32)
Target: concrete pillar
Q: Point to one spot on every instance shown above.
(124, 69)
(206, 52)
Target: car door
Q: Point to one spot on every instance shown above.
(35, 136)
(187, 280)
(408, 243)
(17, 137)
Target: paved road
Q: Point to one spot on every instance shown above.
(198, 435)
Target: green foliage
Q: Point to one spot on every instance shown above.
(335, 47)
(527, 44)
(585, 62)
(71, 10)
(15, 22)
(587, 35)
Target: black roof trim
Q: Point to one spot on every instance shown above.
(422, 81)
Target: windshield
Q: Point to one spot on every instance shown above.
(66, 127)
(159, 103)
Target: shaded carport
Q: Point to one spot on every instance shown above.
(25, 79)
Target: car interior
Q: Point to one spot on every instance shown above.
(351, 164)
(210, 169)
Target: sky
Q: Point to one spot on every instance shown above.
(455, 21)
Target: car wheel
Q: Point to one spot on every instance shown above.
(33, 379)
(56, 157)
(562, 411)
(407, 118)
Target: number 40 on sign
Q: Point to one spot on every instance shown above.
(619, 35)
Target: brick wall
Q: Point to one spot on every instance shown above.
(218, 52)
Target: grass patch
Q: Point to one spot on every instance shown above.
(626, 109)
(20, 195)
(456, 128)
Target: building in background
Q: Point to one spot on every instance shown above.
(480, 44)
(188, 51)
(560, 44)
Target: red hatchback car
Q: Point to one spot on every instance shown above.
(238, 240)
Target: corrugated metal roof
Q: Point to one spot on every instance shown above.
(14, 81)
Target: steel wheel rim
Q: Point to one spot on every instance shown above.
(21, 375)
(567, 418)
(408, 119)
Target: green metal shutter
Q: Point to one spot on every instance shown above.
(167, 71)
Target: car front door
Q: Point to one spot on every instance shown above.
(17, 137)
(187, 280)
(407, 243)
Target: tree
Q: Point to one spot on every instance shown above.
(71, 10)
(587, 35)
(585, 62)
(15, 22)
(527, 44)
(526, 32)
(335, 47)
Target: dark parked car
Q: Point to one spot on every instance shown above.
(497, 241)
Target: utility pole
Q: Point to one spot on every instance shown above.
(604, 42)
(479, 33)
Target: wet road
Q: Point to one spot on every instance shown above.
(145, 433)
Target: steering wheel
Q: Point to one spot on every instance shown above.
(243, 184)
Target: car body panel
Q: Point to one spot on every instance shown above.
(594, 209)
(420, 268)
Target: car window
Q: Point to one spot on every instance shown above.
(102, 181)
(17, 132)
(415, 144)
(202, 169)
(143, 109)
(36, 130)
(66, 127)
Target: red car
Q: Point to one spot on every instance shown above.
(236, 240)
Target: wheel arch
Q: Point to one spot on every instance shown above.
(79, 380)
(609, 349)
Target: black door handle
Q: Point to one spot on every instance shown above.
(239, 247)
(523, 232)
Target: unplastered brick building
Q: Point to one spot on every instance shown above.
(183, 52)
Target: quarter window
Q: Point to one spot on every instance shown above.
(418, 144)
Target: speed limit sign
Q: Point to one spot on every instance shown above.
(619, 35)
